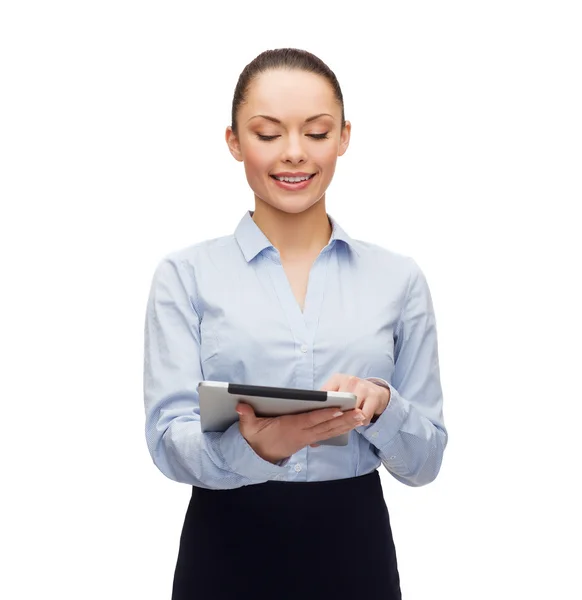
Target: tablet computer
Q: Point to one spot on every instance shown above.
(218, 402)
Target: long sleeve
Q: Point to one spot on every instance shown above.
(172, 371)
(410, 435)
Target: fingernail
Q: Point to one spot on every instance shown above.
(338, 414)
(359, 417)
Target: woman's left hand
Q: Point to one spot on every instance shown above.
(372, 399)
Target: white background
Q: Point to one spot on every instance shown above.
(466, 154)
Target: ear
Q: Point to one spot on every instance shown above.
(345, 138)
(233, 143)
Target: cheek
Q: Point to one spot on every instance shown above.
(325, 157)
(256, 161)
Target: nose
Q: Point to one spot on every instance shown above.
(294, 151)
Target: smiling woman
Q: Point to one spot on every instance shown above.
(288, 129)
(291, 300)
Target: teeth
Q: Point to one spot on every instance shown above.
(293, 179)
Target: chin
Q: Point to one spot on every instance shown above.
(291, 207)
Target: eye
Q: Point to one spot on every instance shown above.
(315, 136)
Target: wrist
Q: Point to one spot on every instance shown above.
(265, 455)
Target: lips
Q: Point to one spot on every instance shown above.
(293, 186)
(292, 176)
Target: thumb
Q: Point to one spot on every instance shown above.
(246, 412)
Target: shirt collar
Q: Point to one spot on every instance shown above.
(252, 240)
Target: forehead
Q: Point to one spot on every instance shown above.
(286, 94)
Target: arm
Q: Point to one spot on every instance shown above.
(172, 371)
(410, 436)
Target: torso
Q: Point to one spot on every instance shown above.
(297, 272)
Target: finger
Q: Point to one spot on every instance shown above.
(349, 420)
(334, 383)
(351, 384)
(314, 445)
(347, 383)
(368, 409)
(315, 417)
(331, 432)
(354, 385)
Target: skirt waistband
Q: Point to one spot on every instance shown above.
(337, 493)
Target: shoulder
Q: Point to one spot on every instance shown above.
(385, 260)
(193, 254)
(186, 264)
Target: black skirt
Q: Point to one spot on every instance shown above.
(284, 540)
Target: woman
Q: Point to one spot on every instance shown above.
(291, 300)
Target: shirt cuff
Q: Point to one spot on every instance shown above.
(242, 459)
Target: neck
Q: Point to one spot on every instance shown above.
(295, 236)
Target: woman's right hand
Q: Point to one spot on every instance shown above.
(276, 438)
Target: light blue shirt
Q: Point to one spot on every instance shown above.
(223, 310)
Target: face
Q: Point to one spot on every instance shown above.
(290, 126)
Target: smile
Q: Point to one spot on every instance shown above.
(293, 183)
(293, 179)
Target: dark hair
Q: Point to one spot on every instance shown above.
(283, 58)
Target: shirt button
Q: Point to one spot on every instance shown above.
(392, 457)
(304, 348)
(298, 468)
(375, 434)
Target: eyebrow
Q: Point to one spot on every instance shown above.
(274, 120)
